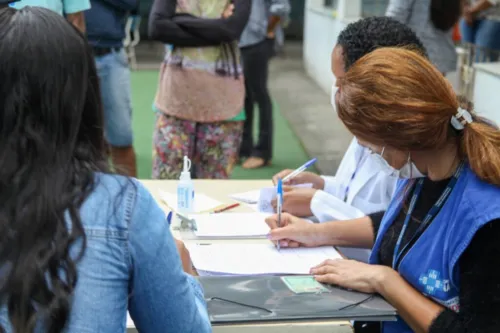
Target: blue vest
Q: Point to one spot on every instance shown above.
(431, 265)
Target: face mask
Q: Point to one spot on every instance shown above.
(381, 163)
(408, 171)
(332, 98)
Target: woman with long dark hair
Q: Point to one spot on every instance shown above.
(433, 22)
(78, 245)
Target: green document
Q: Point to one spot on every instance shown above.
(303, 284)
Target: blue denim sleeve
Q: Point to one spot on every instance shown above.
(75, 6)
(162, 297)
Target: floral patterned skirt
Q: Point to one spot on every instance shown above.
(212, 147)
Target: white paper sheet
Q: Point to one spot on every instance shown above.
(260, 200)
(249, 197)
(231, 225)
(130, 322)
(256, 259)
(202, 202)
(267, 194)
(337, 209)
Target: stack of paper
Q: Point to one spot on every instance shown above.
(231, 225)
(202, 202)
(256, 259)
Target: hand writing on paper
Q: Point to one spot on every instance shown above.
(296, 201)
(350, 274)
(294, 232)
(302, 178)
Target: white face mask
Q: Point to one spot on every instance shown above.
(381, 163)
(332, 98)
(408, 171)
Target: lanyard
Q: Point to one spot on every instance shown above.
(358, 164)
(428, 218)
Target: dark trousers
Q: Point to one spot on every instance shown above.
(255, 60)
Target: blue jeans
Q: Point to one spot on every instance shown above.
(114, 75)
(483, 33)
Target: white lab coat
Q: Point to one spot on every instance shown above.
(370, 191)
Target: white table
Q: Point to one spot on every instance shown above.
(220, 190)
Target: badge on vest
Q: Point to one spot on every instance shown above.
(433, 286)
(432, 282)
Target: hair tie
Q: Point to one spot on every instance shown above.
(462, 118)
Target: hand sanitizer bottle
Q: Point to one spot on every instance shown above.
(185, 189)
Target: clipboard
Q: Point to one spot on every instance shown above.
(243, 299)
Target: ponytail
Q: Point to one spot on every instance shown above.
(480, 144)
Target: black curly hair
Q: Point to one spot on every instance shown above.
(361, 37)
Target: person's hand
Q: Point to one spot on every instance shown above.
(228, 12)
(187, 265)
(351, 274)
(469, 16)
(305, 177)
(294, 232)
(296, 201)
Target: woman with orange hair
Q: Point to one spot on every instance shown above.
(436, 256)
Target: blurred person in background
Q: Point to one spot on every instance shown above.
(6, 3)
(200, 93)
(480, 26)
(433, 22)
(257, 45)
(71, 9)
(106, 32)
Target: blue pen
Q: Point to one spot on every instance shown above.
(169, 218)
(279, 204)
(299, 170)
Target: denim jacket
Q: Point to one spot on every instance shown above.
(130, 263)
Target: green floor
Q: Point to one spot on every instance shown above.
(288, 152)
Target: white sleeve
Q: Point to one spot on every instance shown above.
(326, 207)
(330, 184)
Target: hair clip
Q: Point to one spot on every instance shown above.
(462, 118)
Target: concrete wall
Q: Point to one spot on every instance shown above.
(320, 35)
(487, 91)
(322, 26)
